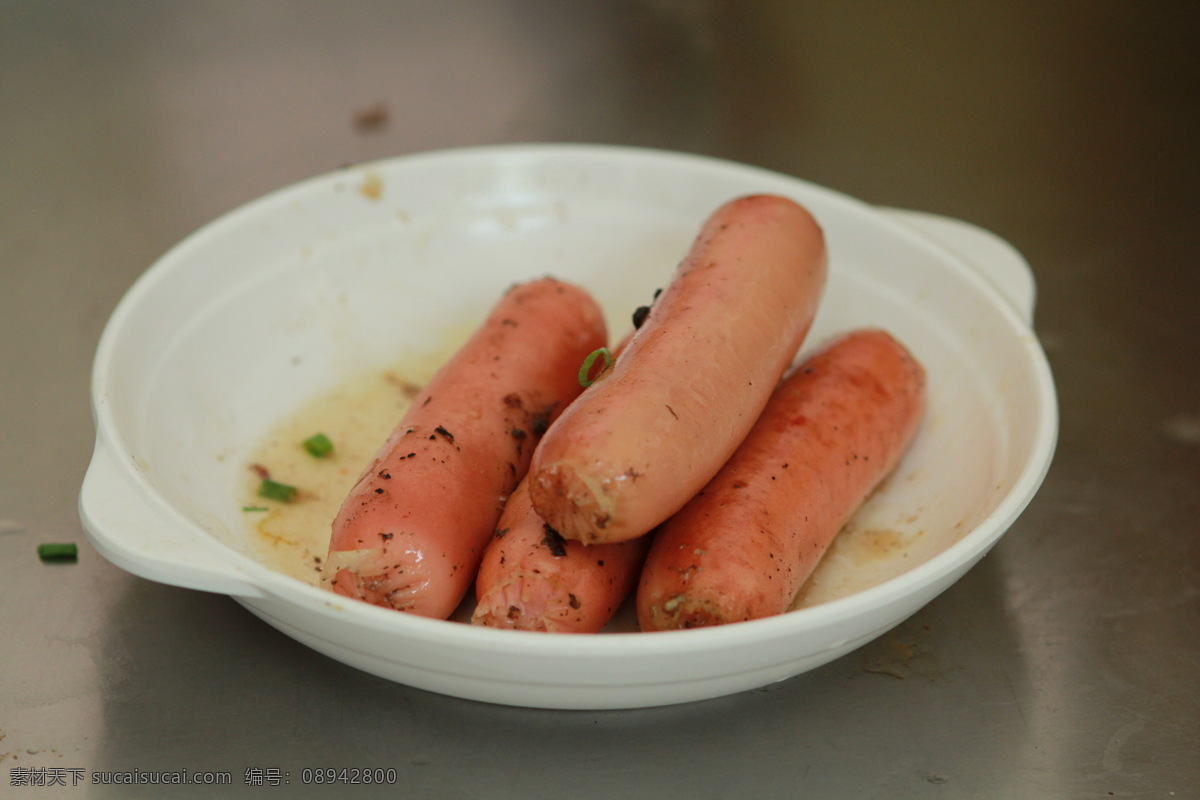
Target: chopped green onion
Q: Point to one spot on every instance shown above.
(254, 508)
(58, 552)
(318, 445)
(584, 379)
(273, 490)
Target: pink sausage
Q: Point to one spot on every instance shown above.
(641, 441)
(412, 531)
(533, 579)
(743, 547)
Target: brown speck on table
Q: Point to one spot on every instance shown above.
(901, 654)
(372, 119)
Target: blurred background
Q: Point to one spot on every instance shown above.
(1065, 665)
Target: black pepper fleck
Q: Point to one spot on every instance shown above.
(554, 540)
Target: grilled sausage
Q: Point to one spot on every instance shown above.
(743, 547)
(641, 441)
(412, 531)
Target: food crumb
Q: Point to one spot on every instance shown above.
(372, 119)
(371, 186)
(554, 541)
(408, 389)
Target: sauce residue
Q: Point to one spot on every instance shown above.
(859, 557)
(357, 417)
(371, 186)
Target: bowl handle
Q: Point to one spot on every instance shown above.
(997, 261)
(150, 540)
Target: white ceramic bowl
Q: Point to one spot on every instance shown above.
(263, 308)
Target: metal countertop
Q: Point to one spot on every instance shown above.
(1065, 665)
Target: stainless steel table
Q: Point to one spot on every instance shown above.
(1066, 665)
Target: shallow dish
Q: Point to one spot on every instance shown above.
(374, 265)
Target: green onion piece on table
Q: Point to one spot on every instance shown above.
(58, 552)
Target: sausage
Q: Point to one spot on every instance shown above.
(411, 532)
(646, 437)
(742, 548)
(533, 579)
